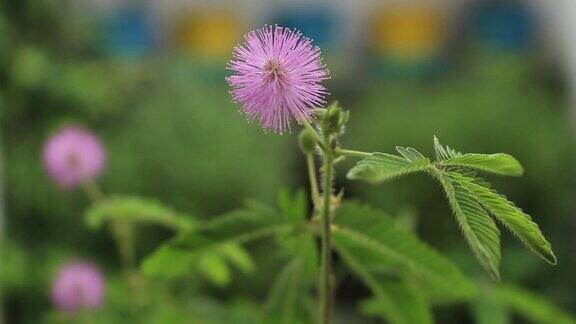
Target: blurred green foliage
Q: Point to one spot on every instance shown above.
(172, 133)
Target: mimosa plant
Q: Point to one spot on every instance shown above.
(277, 76)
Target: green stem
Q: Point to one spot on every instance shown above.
(326, 270)
(313, 179)
(353, 153)
(92, 190)
(123, 234)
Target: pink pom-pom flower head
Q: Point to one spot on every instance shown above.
(277, 76)
(73, 155)
(78, 286)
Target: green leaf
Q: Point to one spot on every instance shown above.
(532, 307)
(394, 301)
(218, 238)
(478, 227)
(238, 227)
(511, 216)
(499, 163)
(169, 262)
(138, 210)
(380, 167)
(378, 244)
(287, 298)
(302, 246)
(283, 298)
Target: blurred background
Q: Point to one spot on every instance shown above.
(148, 78)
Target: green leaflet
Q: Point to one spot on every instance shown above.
(138, 210)
(378, 244)
(214, 268)
(499, 163)
(443, 153)
(511, 216)
(380, 167)
(478, 227)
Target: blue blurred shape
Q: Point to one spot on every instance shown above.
(504, 25)
(129, 33)
(317, 23)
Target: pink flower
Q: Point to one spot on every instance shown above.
(78, 286)
(278, 76)
(73, 155)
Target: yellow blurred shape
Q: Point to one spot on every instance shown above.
(408, 32)
(209, 33)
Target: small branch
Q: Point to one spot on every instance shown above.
(353, 153)
(123, 234)
(314, 192)
(317, 136)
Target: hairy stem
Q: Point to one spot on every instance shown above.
(326, 270)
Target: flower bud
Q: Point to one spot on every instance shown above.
(334, 119)
(306, 141)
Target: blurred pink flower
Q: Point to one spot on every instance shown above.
(78, 286)
(73, 155)
(278, 76)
